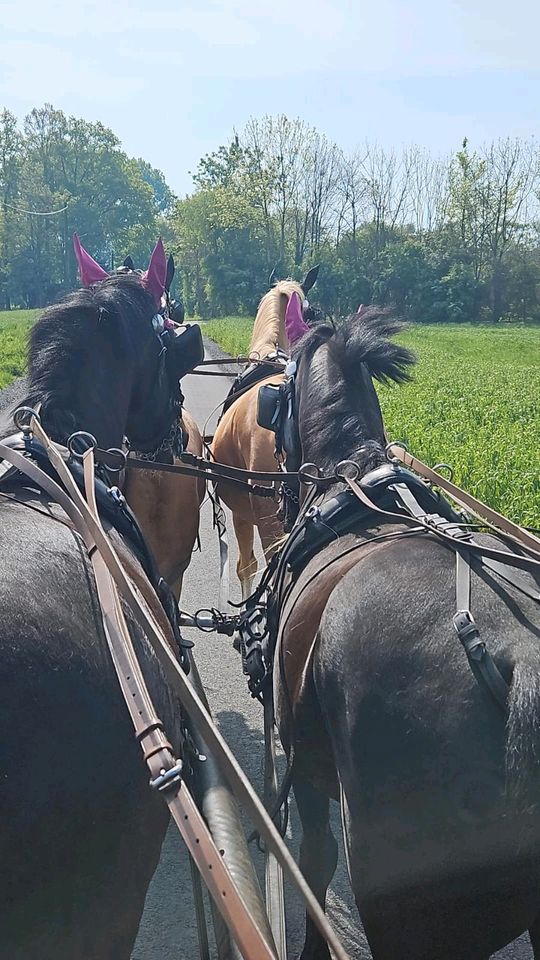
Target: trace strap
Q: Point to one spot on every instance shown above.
(479, 509)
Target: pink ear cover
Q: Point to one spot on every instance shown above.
(155, 277)
(90, 272)
(295, 325)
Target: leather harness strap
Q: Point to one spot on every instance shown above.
(480, 660)
(496, 520)
(213, 869)
(165, 770)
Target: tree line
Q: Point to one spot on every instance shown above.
(61, 174)
(442, 238)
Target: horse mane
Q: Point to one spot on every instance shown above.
(342, 402)
(69, 333)
(269, 326)
(362, 338)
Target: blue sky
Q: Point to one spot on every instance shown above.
(173, 79)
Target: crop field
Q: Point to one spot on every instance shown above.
(14, 329)
(474, 402)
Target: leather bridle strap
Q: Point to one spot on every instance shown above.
(189, 699)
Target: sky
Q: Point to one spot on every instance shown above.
(174, 78)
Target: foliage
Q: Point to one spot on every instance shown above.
(61, 174)
(443, 240)
(15, 326)
(473, 403)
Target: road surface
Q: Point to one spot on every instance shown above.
(168, 930)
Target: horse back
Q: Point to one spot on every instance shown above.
(82, 830)
(433, 799)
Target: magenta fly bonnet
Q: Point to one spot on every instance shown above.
(154, 278)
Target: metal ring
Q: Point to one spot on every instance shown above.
(347, 470)
(444, 466)
(395, 443)
(82, 434)
(304, 473)
(116, 451)
(22, 414)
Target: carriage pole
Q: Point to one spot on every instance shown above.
(219, 808)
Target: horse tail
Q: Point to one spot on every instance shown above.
(523, 725)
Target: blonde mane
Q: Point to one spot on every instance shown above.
(269, 327)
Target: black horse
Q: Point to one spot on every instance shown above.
(80, 829)
(439, 795)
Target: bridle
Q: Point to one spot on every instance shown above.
(160, 382)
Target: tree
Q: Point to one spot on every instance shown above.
(10, 171)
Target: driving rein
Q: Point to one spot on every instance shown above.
(166, 771)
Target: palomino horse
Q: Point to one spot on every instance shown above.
(82, 832)
(240, 442)
(376, 700)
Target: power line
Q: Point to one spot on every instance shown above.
(37, 213)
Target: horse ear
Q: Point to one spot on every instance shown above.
(273, 277)
(128, 262)
(90, 271)
(155, 277)
(311, 277)
(295, 325)
(170, 272)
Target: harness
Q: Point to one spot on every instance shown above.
(389, 493)
(24, 462)
(253, 373)
(110, 502)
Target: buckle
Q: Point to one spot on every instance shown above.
(167, 778)
(468, 633)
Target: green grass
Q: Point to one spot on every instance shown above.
(14, 328)
(474, 403)
(232, 333)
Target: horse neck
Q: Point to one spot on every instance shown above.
(338, 419)
(96, 400)
(269, 326)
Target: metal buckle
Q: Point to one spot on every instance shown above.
(167, 778)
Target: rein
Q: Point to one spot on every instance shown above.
(193, 466)
(112, 583)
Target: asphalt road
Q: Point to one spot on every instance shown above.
(168, 930)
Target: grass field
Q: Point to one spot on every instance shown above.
(474, 402)
(14, 328)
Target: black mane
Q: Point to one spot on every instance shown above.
(340, 410)
(78, 344)
(362, 338)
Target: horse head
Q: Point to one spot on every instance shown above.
(100, 360)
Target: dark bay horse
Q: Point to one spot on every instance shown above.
(81, 831)
(439, 794)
